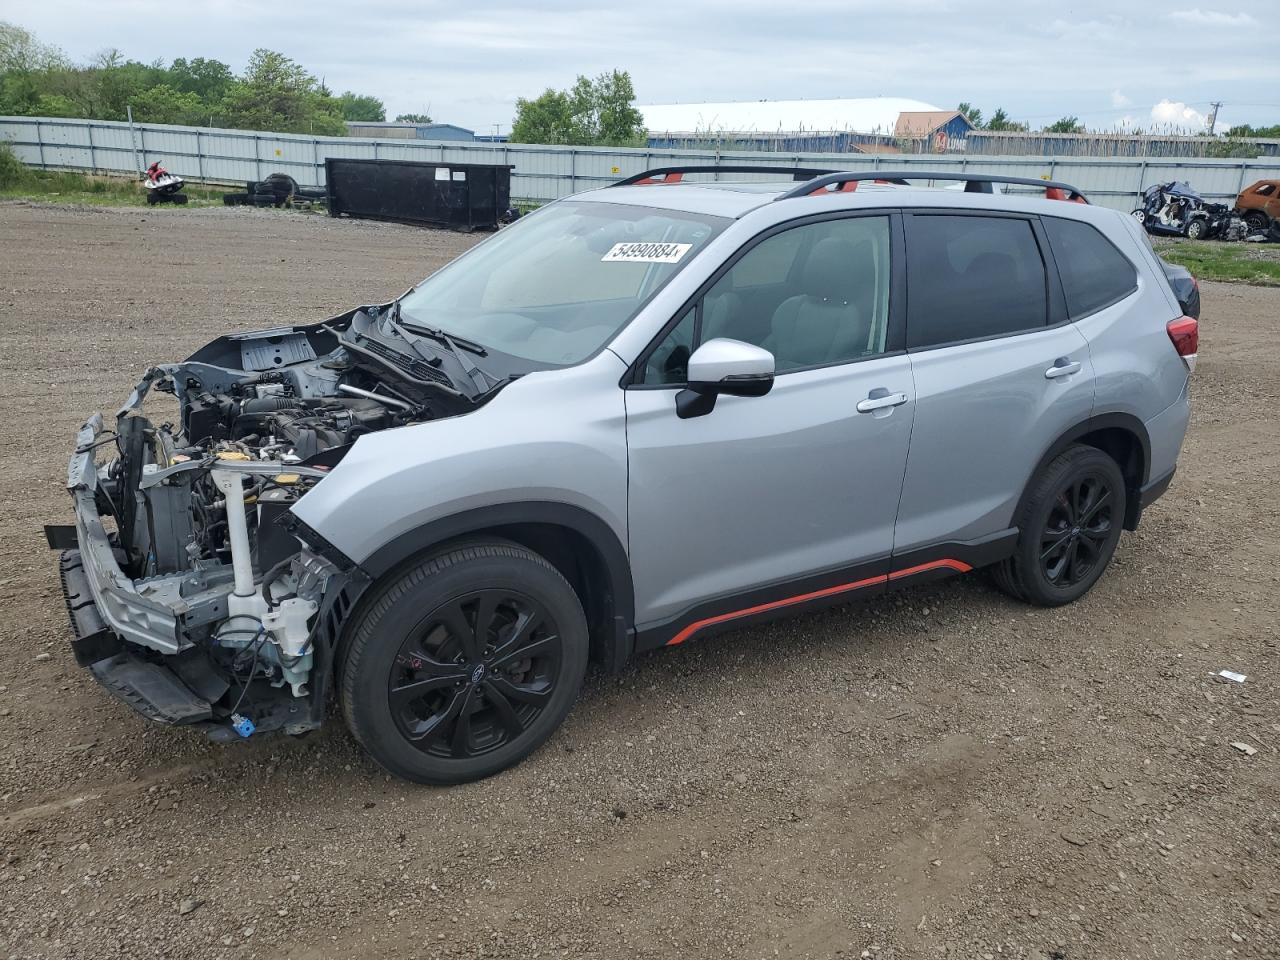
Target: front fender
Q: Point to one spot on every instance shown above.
(551, 437)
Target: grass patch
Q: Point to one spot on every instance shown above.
(63, 187)
(1256, 263)
(18, 181)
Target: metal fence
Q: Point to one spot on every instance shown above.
(546, 172)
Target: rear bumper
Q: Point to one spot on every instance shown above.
(1154, 490)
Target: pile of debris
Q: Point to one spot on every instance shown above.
(1175, 209)
(277, 190)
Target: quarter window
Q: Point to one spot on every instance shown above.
(972, 277)
(1094, 273)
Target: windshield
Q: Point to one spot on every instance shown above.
(556, 285)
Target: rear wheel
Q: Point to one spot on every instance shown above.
(465, 664)
(1257, 221)
(1070, 525)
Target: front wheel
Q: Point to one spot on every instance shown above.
(465, 664)
(1069, 526)
(1197, 229)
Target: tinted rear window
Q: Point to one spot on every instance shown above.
(1094, 273)
(972, 277)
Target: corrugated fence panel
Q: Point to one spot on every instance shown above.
(547, 172)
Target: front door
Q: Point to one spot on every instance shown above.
(794, 493)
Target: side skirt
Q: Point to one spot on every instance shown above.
(830, 588)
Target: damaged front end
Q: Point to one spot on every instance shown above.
(195, 595)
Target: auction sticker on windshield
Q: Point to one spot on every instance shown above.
(646, 252)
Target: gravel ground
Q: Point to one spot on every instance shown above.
(940, 773)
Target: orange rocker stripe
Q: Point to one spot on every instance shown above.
(691, 629)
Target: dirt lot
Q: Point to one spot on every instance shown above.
(942, 773)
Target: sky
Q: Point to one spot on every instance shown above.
(1112, 64)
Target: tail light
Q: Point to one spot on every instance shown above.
(1185, 335)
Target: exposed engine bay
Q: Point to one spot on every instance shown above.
(208, 596)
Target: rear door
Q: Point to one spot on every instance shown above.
(999, 372)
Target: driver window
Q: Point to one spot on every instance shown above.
(813, 295)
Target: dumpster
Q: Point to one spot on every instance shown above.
(466, 196)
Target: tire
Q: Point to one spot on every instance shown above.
(152, 199)
(1257, 221)
(1083, 483)
(179, 198)
(434, 701)
(1141, 216)
(1197, 229)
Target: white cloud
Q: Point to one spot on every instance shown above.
(1176, 115)
(1119, 100)
(1212, 18)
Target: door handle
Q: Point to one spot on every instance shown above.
(1062, 367)
(885, 399)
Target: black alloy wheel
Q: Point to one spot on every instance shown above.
(464, 663)
(475, 673)
(1078, 528)
(1070, 522)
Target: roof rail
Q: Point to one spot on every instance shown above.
(974, 183)
(675, 174)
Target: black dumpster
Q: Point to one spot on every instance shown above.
(467, 196)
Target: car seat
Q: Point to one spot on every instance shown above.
(831, 319)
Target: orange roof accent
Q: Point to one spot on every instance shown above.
(922, 123)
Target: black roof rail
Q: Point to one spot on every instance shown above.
(674, 174)
(974, 182)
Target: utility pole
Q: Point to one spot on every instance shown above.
(1213, 116)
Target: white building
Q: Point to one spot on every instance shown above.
(867, 115)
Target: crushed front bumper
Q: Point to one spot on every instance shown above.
(152, 612)
(146, 640)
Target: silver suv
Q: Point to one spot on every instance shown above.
(639, 415)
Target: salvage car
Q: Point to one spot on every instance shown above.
(1175, 209)
(637, 416)
(1259, 205)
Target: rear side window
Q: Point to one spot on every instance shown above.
(1094, 273)
(972, 277)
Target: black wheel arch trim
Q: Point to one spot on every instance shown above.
(620, 603)
(1105, 421)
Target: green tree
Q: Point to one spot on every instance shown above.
(598, 112)
(207, 79)
(356, 106)
(1000, 122)
(116, 82)
(1065, 125)
(26, 65)
(971, 113)
(278, 94)
(164, 104)
(545, 119)
(21, 52)
(413, 118)
(1245, 130)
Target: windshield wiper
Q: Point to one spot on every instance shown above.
(446, 338)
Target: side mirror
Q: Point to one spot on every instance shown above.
(724, 366)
